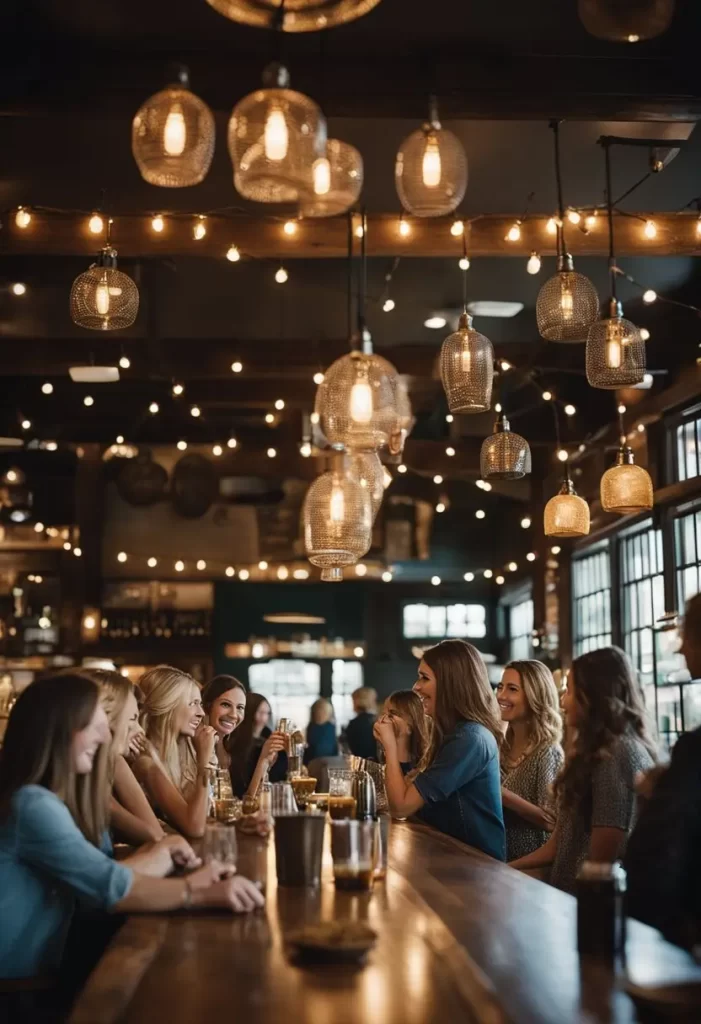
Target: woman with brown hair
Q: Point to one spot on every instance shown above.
(252, 754)
(458, 789)
(224, 703)
(412, 728)
(596, 791)
(531, 755)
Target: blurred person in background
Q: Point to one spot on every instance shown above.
(359, 731)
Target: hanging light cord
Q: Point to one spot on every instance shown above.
(560, 237)
(349, 266)
(464, 273)
(609, 209)
(362, 277)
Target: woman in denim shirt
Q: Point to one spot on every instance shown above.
(458, 790)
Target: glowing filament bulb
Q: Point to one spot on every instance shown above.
(533, 265)
(431, 164)
(465, 357)
(337, 505)
(157, 223)
(361, 401)
(102, 296)
(199, 230)
(615, 339)
(22, 217)
(650, 229)
(276, 136)
(551, 226)
(96, 224)
(404, 229)
(566, 301)
(321, 176)
(514, 233)
(175, 132)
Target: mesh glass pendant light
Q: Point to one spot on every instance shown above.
(626, 21)
(356, 402)
(566, 514)
(104, 298)
(403, 420)
(504, 455)
(366, 468)
(337, 518)
(567, 303)
(467, 368)
(337, 181)
(293, 15)
(172, 137)
(275, 137)
(625, 487)
(615, 347)
(430, 171)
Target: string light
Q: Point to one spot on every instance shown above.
(157, 223)
(650, 229)
(590, 221)
(199, 229)
(120, 439)
(450, 452)
(301, 574)
(359, 232)
(621, 409)
(290, 228)
(464, 263)
(153, 408)
(361, 569)
(152, 562)
(262, 565)
(574, 216)
(436, 581)
(404, 228)
(486, 486)
(88, 400)
(551, 226)
(563, 455)
(232, 442)
(499, 580)
(178, 389)
(179, 566)
(217, 450)
(401, 468)
(237, 366)
(555, 550)
(438, 479)
(47, 389)
(469, 577)
(570, 410)
(514, 232)
(243, 575)
(281, 275)
(649, 296)
(305, 449)
(96, 224)
(388, 305)
(125, 362)
(23, 217)
(547, 396)
(449, 418)
(195, 411)
(440, 507)
(644, 334)
(230, 571)
(488, 574)
(387, 576)
(18, 288)
(181, 446)
(269, 417)
(279, 404)
(122, 556)
(232, 254)
(201, 565)
(26, 424)
(534, 263)
(480, 513)
(641, 428)
(497, 407)
(504, 365)
(271, 453)
(457, 228)
(283, 572)
(526, 522)
(318, 378)
(512, 566)
(531, 556)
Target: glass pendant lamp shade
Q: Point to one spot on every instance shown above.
(625, 487)
(566, 514)
(337, 517)
(504, 455)
(172, 137)
(626, 21)
(357, 402)
(467, 369)
(403, 419)
(297, 15)
(104, 298)
(567, 305)
(337, 181)
(430, 172)
(275, 137)
(615, 352)
(366, 468)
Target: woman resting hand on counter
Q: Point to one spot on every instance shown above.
(458, 789)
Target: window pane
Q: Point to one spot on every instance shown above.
(436, 620)
(415, 620)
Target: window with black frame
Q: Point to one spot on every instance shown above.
(678, 696)
(521, 630)
(591, 599)
(642, 600)
(688, 447)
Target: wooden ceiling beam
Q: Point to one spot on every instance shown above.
(264, 238)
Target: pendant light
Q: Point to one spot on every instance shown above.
(275, 137)
(337, 518)
(430, 171)
(403, 420)
(357, 400)
(467, 362)
(172, 136)
(566, 514)
(337, 181)
(366, 468)
(626, 21)
(104, 298)
(615, 347)
(625, 487)
(296, 15)
(567, 304)
(504, 455)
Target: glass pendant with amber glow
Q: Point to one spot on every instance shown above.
(293, 15)
(566, 514)
(504, 455)
(337, 517)
(567, 304)
(467, 368)
(172, 137)
(626, 21)
(103, 298)
(430, 171)
(615, 352)
(337, 181)
(625, 487)
(276, 136)
(366, 468)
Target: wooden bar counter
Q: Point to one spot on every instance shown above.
(462, 938)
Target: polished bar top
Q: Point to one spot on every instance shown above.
(461, 938)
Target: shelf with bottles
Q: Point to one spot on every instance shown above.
(138, 625)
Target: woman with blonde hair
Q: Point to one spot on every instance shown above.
(458, 789)
(175, 770)
(531, 755)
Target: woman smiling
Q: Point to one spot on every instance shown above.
(224, 701)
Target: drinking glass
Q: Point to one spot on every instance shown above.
(303, 786)
(253, 860)
(353, 848)
(382, 826)
(219, 843)
(341, 782)
(227, 810)
(282, 799)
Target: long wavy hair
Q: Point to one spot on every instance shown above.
(38, 749)
(114, 693)
(242, 741)
(609, 706)
(408, 704)
(543, 703)
(463, 692)
(214, 689)
(164, 690)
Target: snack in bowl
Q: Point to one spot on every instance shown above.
(333, 941)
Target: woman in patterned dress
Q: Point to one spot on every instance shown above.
(531, 756)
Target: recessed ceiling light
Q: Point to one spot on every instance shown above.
(435, 322)
(494, 308)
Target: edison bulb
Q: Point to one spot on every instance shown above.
(465, 357)
(199, 230)
(574, 216)
(23, 218)
(361, 402)
(431, 164)
(388, 305)
(615, 339)
(102, 296)
(650, 229)
(457, 228)
(533, 265)
(649, 296)
(96, 224)
(566, 301)
(514, 233)
(18, 288)
(551, 226)
(276, 135)
(404, 228)
(321, 176)
(281, 275)
(175, 132)
(158, 223)
(125, 362)
(290, 227)
(337, 506)
(464, 263)
(232, 254)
